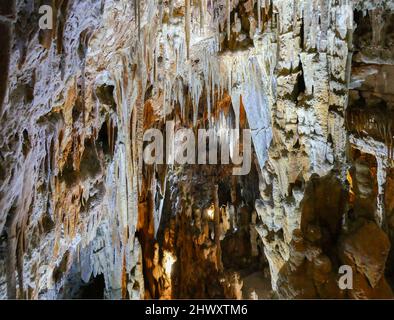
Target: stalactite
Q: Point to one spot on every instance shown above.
(228, 10)
(139, 18)
(11, 263)
(201, 8)
(187, 27)
(259, 15)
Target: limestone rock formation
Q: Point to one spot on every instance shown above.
(82, 215)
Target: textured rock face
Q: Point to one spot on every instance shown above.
(82, 216)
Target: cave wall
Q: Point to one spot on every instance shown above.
(323, 177)
(81, 212)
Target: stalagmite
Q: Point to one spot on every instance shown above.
(217, 226)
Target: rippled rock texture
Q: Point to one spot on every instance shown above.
(82, 215)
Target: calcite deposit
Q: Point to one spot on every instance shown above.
(82, 215)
